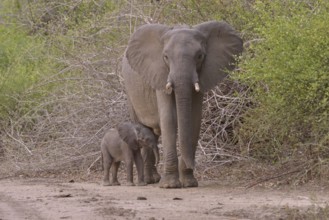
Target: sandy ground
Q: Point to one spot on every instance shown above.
(44, 198)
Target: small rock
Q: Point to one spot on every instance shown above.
(177, 198)
(141, 198)
(63, 196)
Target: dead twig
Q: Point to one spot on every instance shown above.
(93, 163)
(273, 177)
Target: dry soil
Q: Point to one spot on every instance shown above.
(49, 198)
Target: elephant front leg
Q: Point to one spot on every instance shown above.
(170, 177)
(168, 122)
(140, 168)
(186, 175)
(107, 162)
(151, 174)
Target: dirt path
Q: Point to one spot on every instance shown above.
(54, 199)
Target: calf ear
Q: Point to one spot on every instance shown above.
(127, 133)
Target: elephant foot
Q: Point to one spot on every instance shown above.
(189, 182)
(129, 184)
(149, 180)
(156, 177)
(170, 181)
(116, 183)
(106, 183)
(141, 184)
(187, 178)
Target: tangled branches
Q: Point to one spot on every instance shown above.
(65, 130)
(223, 108)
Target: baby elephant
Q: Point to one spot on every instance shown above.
(124, 144)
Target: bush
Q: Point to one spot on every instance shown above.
(22, 64)
(287, 68)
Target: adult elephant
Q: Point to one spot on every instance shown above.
(166, 71)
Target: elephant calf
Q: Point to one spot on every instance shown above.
(124, 144)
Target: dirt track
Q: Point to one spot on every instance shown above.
(53, 199)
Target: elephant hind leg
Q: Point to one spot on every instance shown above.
(131, 111)
(115, 169)
(129, 166)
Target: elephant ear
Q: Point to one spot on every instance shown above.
(222, 45)
(127, 133)
(144, 54)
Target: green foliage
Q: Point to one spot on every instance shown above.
(193, 12)
(36, 39)
(22, 63)
(288, 70)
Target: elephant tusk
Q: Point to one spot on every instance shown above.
(197, 87)
(169, 88)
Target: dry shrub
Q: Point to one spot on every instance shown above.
(223, 108)
(64, 132)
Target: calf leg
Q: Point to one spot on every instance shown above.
(140, 168)
(115, 168)
(107, 162)
(129, 166)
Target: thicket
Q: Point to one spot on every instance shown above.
(286, 67)
(60, 85)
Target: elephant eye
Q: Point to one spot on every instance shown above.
(142, 140)
(165, 58)
(200, 57)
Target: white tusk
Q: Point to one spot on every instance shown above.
(197, 87)
(169, 88)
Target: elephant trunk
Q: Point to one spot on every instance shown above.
(156, 154)
(183, 95)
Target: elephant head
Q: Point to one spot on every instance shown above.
(184, 61)
(138, 136)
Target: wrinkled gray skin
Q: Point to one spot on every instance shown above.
(151, 174)
(166, 71)
(125, 144)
